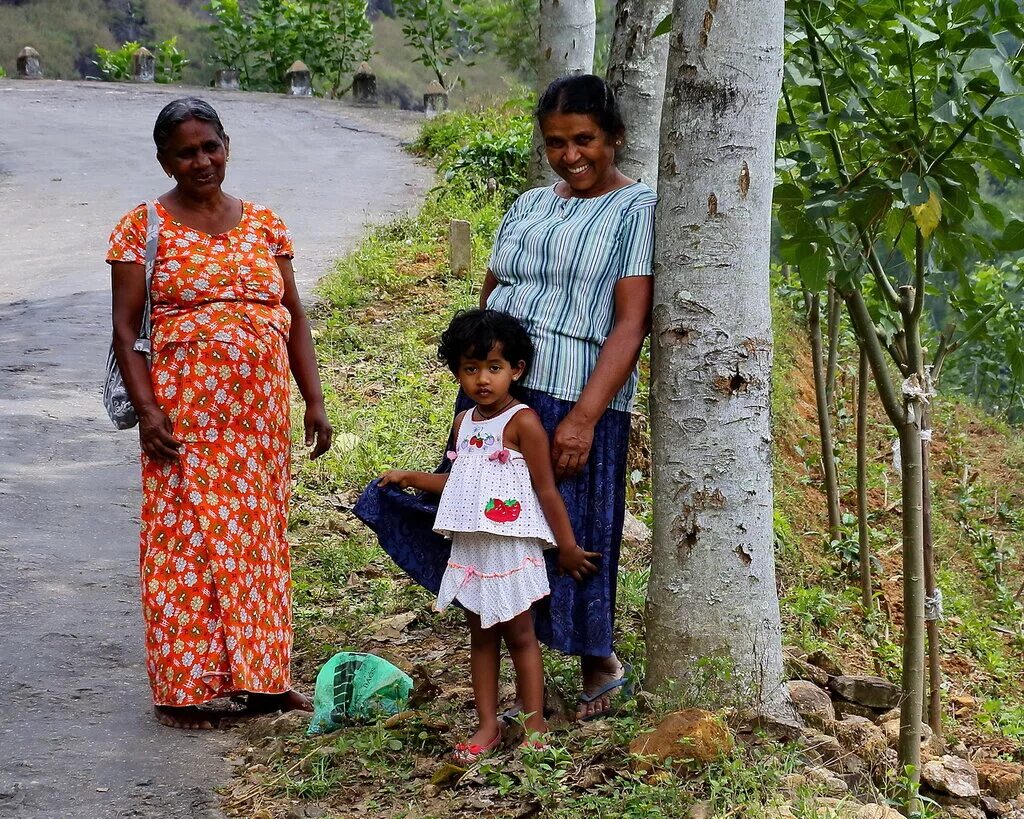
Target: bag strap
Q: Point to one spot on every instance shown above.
(152, 238)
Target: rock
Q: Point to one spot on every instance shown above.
(691, 735)
(784, 727)
(964, 812)
(825, 663)
(828, 782)
(872, 692)
(877, 812)
(891, 729)
(298, 80)
(635, 533)
(701, 810)
(1003, 780)
(811, 703)
(792, 783)
(860, 736)
(993, 807)
(952, 775)
(820, 748)
(851, 709)
(963, 702)
(435, 99)
(797, 668)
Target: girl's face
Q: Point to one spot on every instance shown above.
(581, 152)
(488, 381)
(195, 156)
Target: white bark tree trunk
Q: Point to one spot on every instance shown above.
(636, 73)
(712, 588)
(566, 33)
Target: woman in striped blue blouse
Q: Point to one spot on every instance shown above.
(573, 262)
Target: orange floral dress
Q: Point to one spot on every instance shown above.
(216, 579)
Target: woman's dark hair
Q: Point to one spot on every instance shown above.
(182, 110)
(582, 94)
(472, 333)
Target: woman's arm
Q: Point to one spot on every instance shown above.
(302, 360)
(490, 282)
(573, 438)
(526, 431)
(128, 300)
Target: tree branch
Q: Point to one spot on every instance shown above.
(865, 328)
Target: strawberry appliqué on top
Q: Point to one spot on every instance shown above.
(502, 511)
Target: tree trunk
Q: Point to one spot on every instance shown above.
(636, 73)
(913, 596)
(712, 591)
(828, 456)
(834, 309)
(566, 33)
(863, 536)
(932, 623)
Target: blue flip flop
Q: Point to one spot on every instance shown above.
(624, 682)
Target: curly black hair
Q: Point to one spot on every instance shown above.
(472, 334)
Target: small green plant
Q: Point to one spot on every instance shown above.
(439, 32)
(116, 64)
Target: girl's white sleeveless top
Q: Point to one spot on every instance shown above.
(489, 488)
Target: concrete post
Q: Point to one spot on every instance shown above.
(435, 100)
(227, 79)
(298, 80)
(364, 85)
(143, 65)
(460, 248)
(30, 66)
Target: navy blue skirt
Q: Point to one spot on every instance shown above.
(577, 618)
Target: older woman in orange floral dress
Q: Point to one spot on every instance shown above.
(214, 426)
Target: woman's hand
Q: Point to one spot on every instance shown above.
(318, 429)
(570, 449)
(573, 560)
(156, 434)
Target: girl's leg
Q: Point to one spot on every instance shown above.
(485, 645)
(522, 645)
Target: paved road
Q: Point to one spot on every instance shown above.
(76, 737)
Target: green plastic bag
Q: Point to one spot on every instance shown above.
(353, 687)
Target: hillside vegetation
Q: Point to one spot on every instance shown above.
(381, 314)
(66, 35)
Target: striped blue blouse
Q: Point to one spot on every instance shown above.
(557, 262)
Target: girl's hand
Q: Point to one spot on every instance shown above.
(318, 429)
(570, 449)
(573, 560)
(156, 434)
(401, 477)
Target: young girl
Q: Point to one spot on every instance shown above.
(501, 509)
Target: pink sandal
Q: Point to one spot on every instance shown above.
(466, 754)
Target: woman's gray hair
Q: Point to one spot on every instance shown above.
(182, 110)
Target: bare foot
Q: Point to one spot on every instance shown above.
(189, 718)
(269, 703)
(597, 673)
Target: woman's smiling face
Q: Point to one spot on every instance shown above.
(195, 155)
(581, 152)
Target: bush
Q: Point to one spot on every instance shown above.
(472, 147)
(116, 64)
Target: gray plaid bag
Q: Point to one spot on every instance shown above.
(115, 396)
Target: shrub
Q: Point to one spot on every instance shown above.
(116, 64)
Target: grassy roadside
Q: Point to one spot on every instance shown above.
(391, 402)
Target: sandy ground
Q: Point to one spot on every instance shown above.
(76, 734)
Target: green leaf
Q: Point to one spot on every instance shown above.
(922, 34)
(1007, 82)
(664, 27)
(813, 270)
(915, 190)
(1013, 236)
